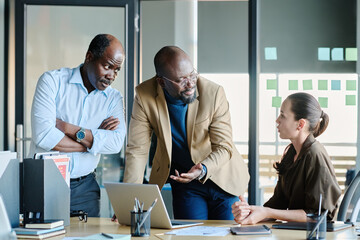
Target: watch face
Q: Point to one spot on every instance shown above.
(80, 135)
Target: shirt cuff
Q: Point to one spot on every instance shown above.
(98, 142)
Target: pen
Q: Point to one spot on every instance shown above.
(107, 235)
(148, 212)
(320, 200)
(316, 228)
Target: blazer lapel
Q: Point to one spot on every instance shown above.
(191, 117)
(164, 120)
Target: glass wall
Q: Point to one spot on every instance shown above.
(2, 79)
(305, 46)
(215, 35)
(309, 46)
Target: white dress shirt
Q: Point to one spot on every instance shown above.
(61, 94)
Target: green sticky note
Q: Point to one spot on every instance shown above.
(293, 85)
(324, 54)
(351, 85)
(270, 53)
(351, 54)
(307, 84)
(271, 84)
(350, 100)
(276, 101)
(323, 85)
(323, 102)
(337, 54)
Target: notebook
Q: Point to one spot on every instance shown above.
(122, 197)
(330, 226)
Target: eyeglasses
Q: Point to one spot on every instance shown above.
(81, 214)
(184, 80)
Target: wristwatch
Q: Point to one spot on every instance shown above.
(80, 135)
(203, 172)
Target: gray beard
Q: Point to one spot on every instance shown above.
(186, 99)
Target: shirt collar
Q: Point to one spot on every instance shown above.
(77, 79)
(307, 143)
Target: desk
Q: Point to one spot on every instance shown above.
(98, 225)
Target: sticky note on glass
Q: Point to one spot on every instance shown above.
(351, 85)
(337, 54)
(350, 100)
(271, 84)
(324, 54)
(270, 53)
(323, 101)
(307, 84)
(276, 102)
(335, 85)
(322, 84)
(293, 85)
(351, 54)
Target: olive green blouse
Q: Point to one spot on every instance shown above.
(300, 185)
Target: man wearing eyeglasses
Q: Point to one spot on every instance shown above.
(190, 117)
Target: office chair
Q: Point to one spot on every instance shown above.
(350, 205)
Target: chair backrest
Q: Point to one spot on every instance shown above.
(350, 205)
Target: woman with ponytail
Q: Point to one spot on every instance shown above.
(305, 170)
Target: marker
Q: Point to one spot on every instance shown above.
(107, 235)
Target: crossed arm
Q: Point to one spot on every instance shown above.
(69, 144)
(246, 214)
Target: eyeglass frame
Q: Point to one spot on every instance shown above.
(184, 81)
(81, 214)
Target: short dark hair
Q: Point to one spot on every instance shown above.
(98, 45)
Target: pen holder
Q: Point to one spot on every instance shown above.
(140, 224)
(312, 222)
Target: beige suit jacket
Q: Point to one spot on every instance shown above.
(209, 135)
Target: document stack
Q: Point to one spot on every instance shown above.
(41, 229)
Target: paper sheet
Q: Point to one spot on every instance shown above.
(201, 231)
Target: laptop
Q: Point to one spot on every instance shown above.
(122, 197)
(330, 226)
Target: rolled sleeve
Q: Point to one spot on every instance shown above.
(43, 114)
(51, 139)
(107, 141)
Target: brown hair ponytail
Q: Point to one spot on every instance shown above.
(322, 125)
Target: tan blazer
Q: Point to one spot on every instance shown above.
(209, 135)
